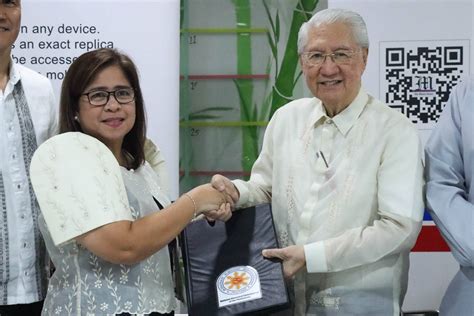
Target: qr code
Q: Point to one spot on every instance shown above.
(417, 76)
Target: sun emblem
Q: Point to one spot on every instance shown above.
(238, 284)
(236, 280)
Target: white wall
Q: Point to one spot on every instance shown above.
(147, 30)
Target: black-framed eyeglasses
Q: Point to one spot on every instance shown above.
(342, 57)
(101, 97)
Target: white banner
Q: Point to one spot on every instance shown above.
(433, 37)
(54, 32)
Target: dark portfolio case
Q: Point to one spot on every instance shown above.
(225, 271)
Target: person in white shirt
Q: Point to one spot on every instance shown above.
(344, 174)
(27, 118)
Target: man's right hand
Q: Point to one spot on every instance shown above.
(224, 185)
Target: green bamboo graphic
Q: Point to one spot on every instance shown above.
(186, 154)
(280, 89)
(285, 77)
(245, 86)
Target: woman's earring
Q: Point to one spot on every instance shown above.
(76, 118)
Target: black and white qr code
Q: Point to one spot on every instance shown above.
(417, 76)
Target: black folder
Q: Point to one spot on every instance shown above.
(210, 250)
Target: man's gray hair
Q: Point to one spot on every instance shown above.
(352, 19)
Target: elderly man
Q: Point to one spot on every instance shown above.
(450, 192)
(27, 118)
(344, 174)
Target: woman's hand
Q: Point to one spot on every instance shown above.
(209, 199)
(224, 213)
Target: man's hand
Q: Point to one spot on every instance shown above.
(293, 259)
(224, 213)
(223, 184)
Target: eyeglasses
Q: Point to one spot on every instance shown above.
(9, 3)
(101, 97)
(342, 57)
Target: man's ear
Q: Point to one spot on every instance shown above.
(365, 55)
(303, 68)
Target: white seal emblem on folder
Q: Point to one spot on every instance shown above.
(238, 284)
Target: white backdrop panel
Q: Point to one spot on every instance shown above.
(55, 31)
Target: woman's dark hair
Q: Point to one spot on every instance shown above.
(80, 74)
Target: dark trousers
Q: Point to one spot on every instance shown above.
(33, 309)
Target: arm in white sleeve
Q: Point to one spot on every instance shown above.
(259, 187)
(449, 155)
(398, 216)
(155, 158)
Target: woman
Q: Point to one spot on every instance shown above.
(112, 265)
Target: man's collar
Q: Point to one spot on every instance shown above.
(13, 78)
(346, 119)
(14, 73)
(318, 114)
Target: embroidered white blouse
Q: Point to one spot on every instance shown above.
(84, 283)
(348, 188)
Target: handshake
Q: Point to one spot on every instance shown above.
(215, 200)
